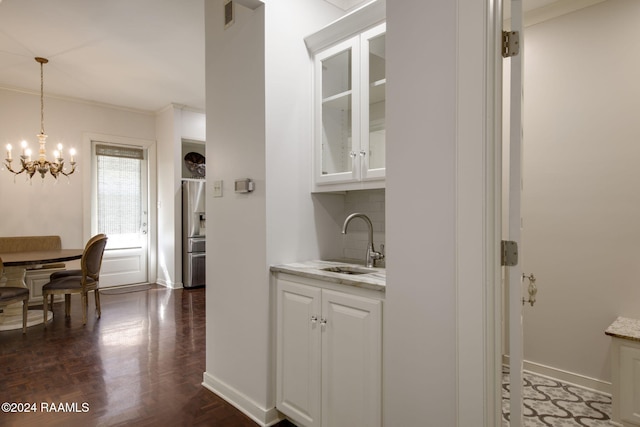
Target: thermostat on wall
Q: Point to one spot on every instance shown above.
(244, 185)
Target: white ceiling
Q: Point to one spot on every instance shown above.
(141, 54)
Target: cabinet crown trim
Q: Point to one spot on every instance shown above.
(350, 24)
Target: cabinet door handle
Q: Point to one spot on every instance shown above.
(323, 322)
(363, 166)
(314, 319)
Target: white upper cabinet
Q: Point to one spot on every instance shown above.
(349, 101)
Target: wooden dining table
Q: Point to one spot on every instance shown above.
(15, 266)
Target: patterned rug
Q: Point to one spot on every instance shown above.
(550, 403)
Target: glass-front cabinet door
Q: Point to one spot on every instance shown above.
(337, 119)
(349, 116)
(374, 81)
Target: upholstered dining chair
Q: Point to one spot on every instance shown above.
(78, 281)
(14, 294)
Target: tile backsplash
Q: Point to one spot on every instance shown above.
(372, 204)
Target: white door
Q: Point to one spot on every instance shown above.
(298, 352)
(120, 210)
(513, 274)
(351, 328)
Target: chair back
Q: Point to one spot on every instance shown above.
(92, 257)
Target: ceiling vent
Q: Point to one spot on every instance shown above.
(228, 13)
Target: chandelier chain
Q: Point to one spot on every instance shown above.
(42, 98)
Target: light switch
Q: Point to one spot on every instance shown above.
(217, 188)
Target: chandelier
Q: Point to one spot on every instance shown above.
(41, 165)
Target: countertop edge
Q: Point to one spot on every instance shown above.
(624, 328)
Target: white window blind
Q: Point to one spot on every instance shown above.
(119, 194)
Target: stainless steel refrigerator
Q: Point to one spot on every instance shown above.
(193, 234)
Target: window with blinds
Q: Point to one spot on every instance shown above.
(119, 194)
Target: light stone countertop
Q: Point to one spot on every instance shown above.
(625, 328)
(376, 280)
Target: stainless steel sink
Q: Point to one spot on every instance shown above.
(345, 269)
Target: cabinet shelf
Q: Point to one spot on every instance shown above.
(339, 101)
(377, 91)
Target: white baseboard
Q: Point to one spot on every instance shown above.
(569, 377)
(565, 376)
(263, 416)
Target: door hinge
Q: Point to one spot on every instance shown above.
(508, 253)
(510, 43)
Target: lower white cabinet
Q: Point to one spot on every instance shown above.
(329, 356)
(625, 382)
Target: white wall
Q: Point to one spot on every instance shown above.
(193, 125)
(300, 226)
(47, 207)
(173, 123)
(237, 286)
(440, 350)
(580, 201)
(168, 129)
(419, 342)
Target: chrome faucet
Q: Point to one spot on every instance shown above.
(372, 256)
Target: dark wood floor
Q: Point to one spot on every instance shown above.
(140, 364)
